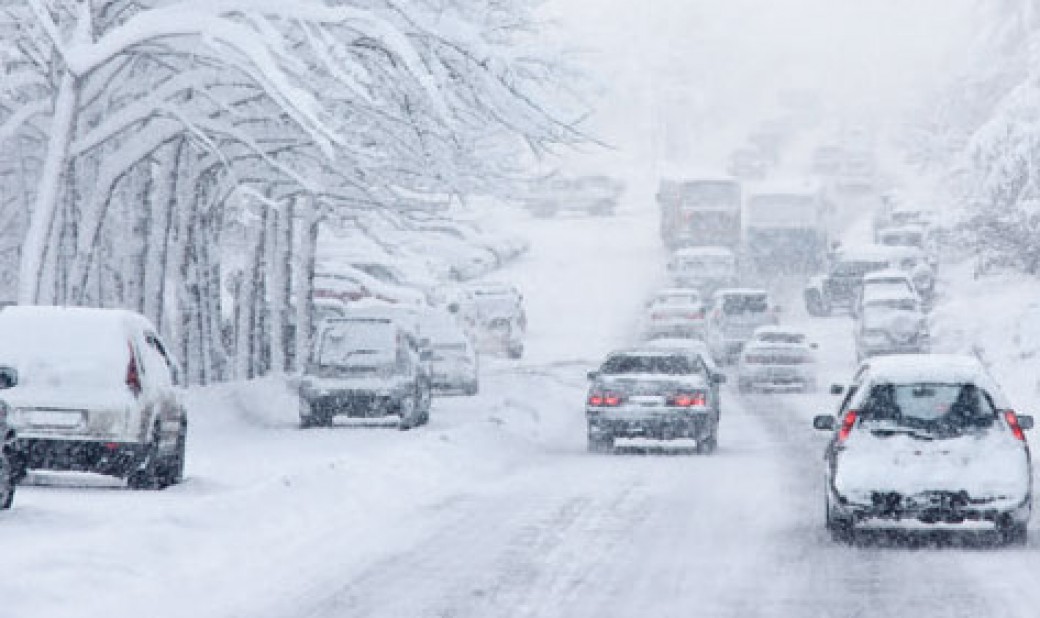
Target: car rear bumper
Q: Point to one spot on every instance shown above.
(355, 404)
(933, 507)
(661, 426)
(112, 458)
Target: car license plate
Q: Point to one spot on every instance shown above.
(54, 418)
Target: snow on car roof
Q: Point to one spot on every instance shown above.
(936, 368)
(704, 252)
(886, 274)
(739, 292)
(869, 252)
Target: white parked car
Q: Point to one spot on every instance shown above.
(454, 361)
(927, 439)
(95, 392)
(675, 312)
(777, 358)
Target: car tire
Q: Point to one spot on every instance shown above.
(148, 474)
(173, 467)
(8, 474)
(1013, 533)
(710, 444)
(601, 443)
(841, 529)
(408, 409)
(516, 352)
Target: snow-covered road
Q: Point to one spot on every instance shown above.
(495, 508)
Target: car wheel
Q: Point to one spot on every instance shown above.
(601, 443)
(173, 468)
(708, 445)
(146, 475)
(516, 352)
(841, 529)
(7, 480)
(1013, 533)
(409, 411)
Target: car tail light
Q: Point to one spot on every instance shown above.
(688, 400)
(604, 400)
(1016, 429)
(133, 376)
(847, 424)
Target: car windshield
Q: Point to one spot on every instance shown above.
(929, 404)
(737, 304)
(651, 364)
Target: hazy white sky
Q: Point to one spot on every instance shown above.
(709, 64)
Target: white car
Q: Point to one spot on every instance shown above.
(777, 358)
(891, 322)
(94, 392)
(927, 440)
(885, 282)
(455, 363)
(501, 319)
(675, 312)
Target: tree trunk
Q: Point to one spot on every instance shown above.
(34, 249)
(274, 268)
(303, 280)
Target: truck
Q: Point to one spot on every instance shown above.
(700, 212)
(786, 229)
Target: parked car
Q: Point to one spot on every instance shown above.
(928, 439)
(651, 393)
(675, 312)
(501, 318)
(455, 363)
(705, 269)
(94, 391)
(839, 287)
(891, 322)
(12, 454)
(733, 316)
(777, 358)
(364, 368)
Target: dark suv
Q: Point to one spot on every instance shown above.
(364, 368)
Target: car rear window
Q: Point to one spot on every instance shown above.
(745, 303)
(358, 343)
(929, 405)
(665, 365)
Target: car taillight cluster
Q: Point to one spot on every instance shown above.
(847, 423)
(1016, 429)
(688, 400)
(604, 400)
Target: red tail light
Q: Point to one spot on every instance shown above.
(604, 400)
(688, 400)
(133, 377)
(847, 424)
(1016, 429)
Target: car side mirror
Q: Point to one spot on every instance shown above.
(1025, 421)
(718, 378)
(823, 422)
(8, 377)
(837, 389)
(592, 375)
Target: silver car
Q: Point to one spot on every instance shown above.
(777, 358)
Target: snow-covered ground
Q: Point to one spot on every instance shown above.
(495, 508)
